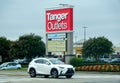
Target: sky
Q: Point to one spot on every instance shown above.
(101, 17)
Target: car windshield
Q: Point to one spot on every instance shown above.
(4, 64)
(56, 61)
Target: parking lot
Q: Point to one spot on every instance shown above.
(79, 77)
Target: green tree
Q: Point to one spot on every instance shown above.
(4, 48)
(29, 46)
(15, 50)
(96, 47)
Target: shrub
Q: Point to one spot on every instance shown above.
(76, 61)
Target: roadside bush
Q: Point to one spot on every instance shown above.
(76, 61)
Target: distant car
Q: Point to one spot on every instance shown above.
(10, 65)
(106, 60)
(20, 61)
(89, 59)
(50, 67)
(115, 60)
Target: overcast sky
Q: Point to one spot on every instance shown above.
(102, 17)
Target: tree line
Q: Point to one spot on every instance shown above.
(31, 46)
(27, 46)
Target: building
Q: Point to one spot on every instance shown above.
(77, 47)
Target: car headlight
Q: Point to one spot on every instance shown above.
(61, 67)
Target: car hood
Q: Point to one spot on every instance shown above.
(64, 65)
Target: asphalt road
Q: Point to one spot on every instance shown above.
(79, 77)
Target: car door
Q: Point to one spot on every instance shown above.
(14, 65)
(46, 67)
(10, 66)
(38, 65)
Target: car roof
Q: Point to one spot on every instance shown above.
(39, 58)
(8, 62)
(46, 58)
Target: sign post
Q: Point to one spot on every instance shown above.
(59, 30)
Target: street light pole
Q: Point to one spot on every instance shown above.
(84, 33)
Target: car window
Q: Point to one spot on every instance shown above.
(56, 61)
(39, 61)
(14, 64)
(11, 64)
(45, 61)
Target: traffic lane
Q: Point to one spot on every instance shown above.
(60, 80)
(77, 78)
(79, 73)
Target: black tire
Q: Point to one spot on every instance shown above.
(68, 76)
(18, 68)
(54, 73)
(32, 73)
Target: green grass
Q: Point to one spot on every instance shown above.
(22, 69)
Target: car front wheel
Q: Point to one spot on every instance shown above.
(32, 73)
(54, 73)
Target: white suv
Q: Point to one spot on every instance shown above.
(50, 67)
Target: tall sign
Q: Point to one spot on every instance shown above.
(59, 20)
(59, 30)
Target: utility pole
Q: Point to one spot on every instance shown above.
(84, 33)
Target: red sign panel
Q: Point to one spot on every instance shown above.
(59, 20)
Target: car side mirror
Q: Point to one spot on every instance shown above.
(47, 63)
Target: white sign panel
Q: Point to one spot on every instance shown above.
(56, 45)
(56, 36)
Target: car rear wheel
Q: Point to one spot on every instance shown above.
(32, 73)
(18, 68)
(54, 73)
